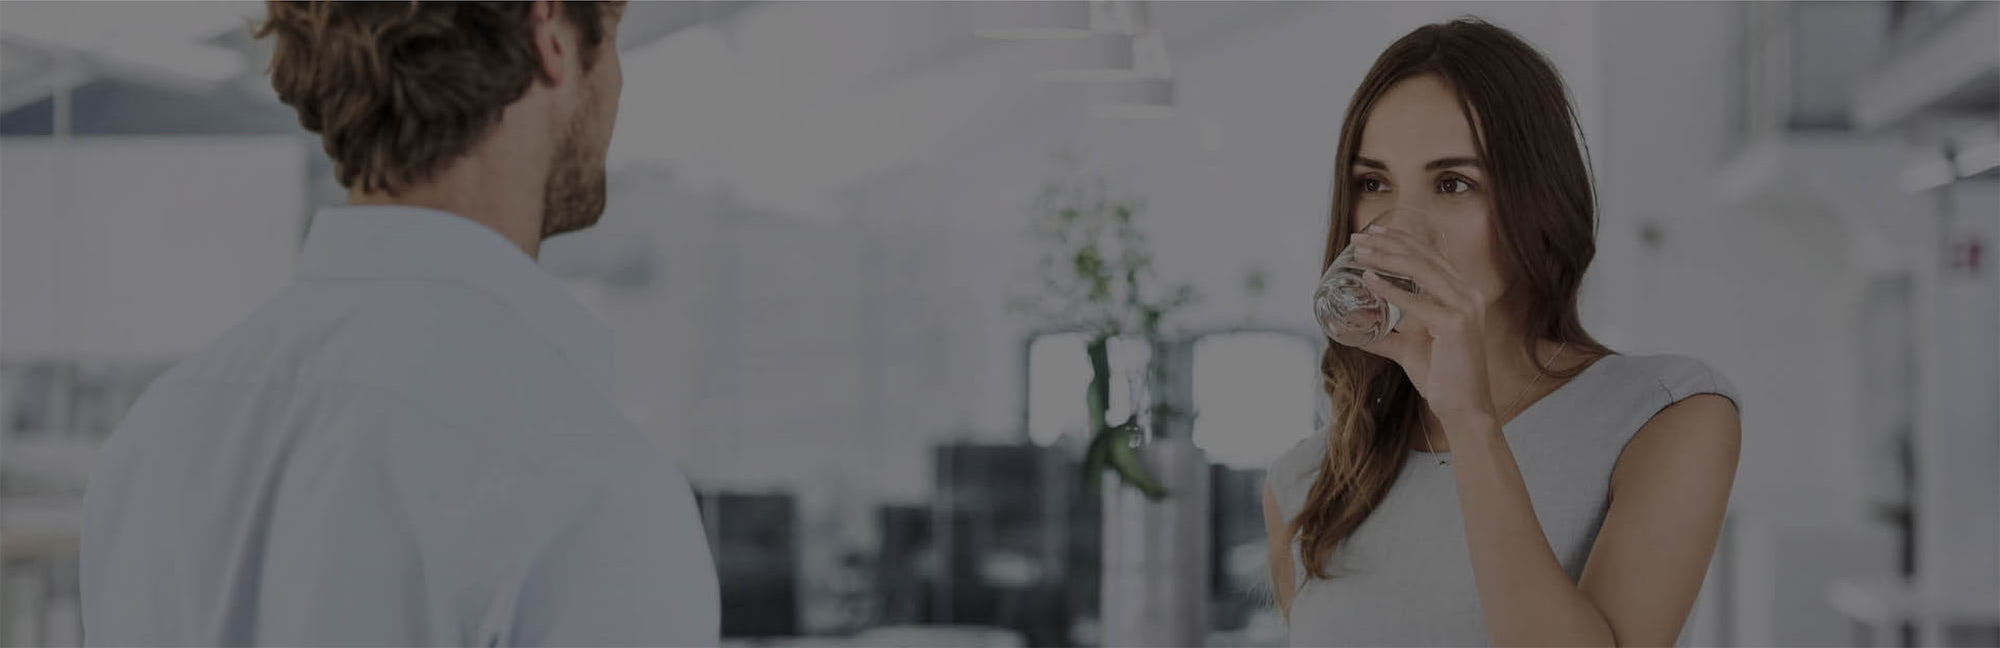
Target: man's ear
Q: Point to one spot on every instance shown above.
(553, 46)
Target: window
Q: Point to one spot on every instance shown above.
(1059, 377)
(1255, 394)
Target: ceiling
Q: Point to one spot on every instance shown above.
(197, 50)
(784, 102)
(792, 102)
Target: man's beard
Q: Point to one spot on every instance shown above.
(573, 195)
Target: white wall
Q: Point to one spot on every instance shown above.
(771, 352)
(143, 248)
(1772, 301)
(1665, 105)
(1959, 432)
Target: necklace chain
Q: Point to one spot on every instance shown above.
(1446, 461)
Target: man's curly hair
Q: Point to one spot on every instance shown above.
(398, 89)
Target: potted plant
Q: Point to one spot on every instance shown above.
(1095, 272)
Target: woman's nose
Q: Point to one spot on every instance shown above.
(1413, 201)
(1412, 217)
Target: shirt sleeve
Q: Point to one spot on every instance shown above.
(633, 567)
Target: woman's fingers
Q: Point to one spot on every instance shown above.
(1412, 245)
(1413, 305)
(1397, 258)
(1404, 347)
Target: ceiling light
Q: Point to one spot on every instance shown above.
(1149, 97)
(1040, 20)
(1100, 57)
(1118, 16)
(1976, 159)
(190, 62)
(1149, 54)
(1925, 174)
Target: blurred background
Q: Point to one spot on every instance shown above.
(820, 262)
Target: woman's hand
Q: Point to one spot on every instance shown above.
(1440, 342)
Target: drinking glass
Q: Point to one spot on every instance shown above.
(1350, 313)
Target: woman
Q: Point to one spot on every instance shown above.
(1493, 474)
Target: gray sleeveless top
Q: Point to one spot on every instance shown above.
(1404, 577)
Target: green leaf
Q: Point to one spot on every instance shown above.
(1111, 449)
(1256, 282)
(1087, 261)
(1097, 458)
(1125, 460)
(1098, 349)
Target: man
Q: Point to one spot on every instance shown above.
(411, 445)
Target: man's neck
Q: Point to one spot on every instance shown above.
(506, 200)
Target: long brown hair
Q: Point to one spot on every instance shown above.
(1545, 213)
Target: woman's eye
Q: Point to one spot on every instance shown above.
(1369, 185)
(1454, 186)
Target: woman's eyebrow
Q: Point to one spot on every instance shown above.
(1446, 163)
(1440, 163)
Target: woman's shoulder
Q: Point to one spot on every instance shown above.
(1669, 377)
(1291, 475)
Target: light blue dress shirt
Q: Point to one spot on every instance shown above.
(410, 445)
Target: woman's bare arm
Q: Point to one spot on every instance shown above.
(1281, 553)
(1668, 494)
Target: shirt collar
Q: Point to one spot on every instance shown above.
(404, 242)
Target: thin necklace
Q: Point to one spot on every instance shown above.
(1444, 460)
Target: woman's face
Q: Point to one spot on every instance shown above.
(1418, 153)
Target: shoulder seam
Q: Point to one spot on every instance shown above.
(1669, 389)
